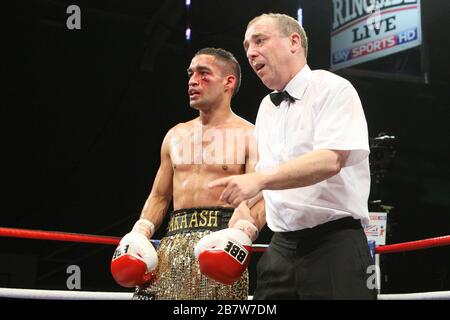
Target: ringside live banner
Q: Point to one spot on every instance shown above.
(364, 30)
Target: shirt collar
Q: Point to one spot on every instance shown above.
(297, 86)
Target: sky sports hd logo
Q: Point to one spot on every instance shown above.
(375, 46)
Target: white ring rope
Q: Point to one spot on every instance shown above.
(63, 294)
(94, 295)
(434, 295)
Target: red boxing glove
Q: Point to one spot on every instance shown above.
(224, 255)
(134, 260)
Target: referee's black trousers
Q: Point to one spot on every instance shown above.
(330, 261)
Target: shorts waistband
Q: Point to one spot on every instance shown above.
(335, 225)
(199, 219)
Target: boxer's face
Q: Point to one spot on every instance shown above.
(206, 86)
(268, 53)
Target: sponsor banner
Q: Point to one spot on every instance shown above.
(364, 30)
(376, 230)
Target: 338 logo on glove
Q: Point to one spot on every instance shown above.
(121, 250)
(236, 251)
(224, 255)
(134, 260)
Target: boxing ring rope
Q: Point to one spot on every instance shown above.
(96, 239)
(62, 294)
(414, 245)
(57, 236)
(88, 238)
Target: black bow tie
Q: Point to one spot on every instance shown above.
(278, 97)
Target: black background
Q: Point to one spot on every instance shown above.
(84, 113)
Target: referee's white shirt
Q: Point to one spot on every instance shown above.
(327, 114)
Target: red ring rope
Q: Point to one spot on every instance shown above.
(57, 236)
(87, 238)
(414, 245)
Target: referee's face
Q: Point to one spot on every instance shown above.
(269, 53)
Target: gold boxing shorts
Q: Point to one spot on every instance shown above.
(178, 276)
